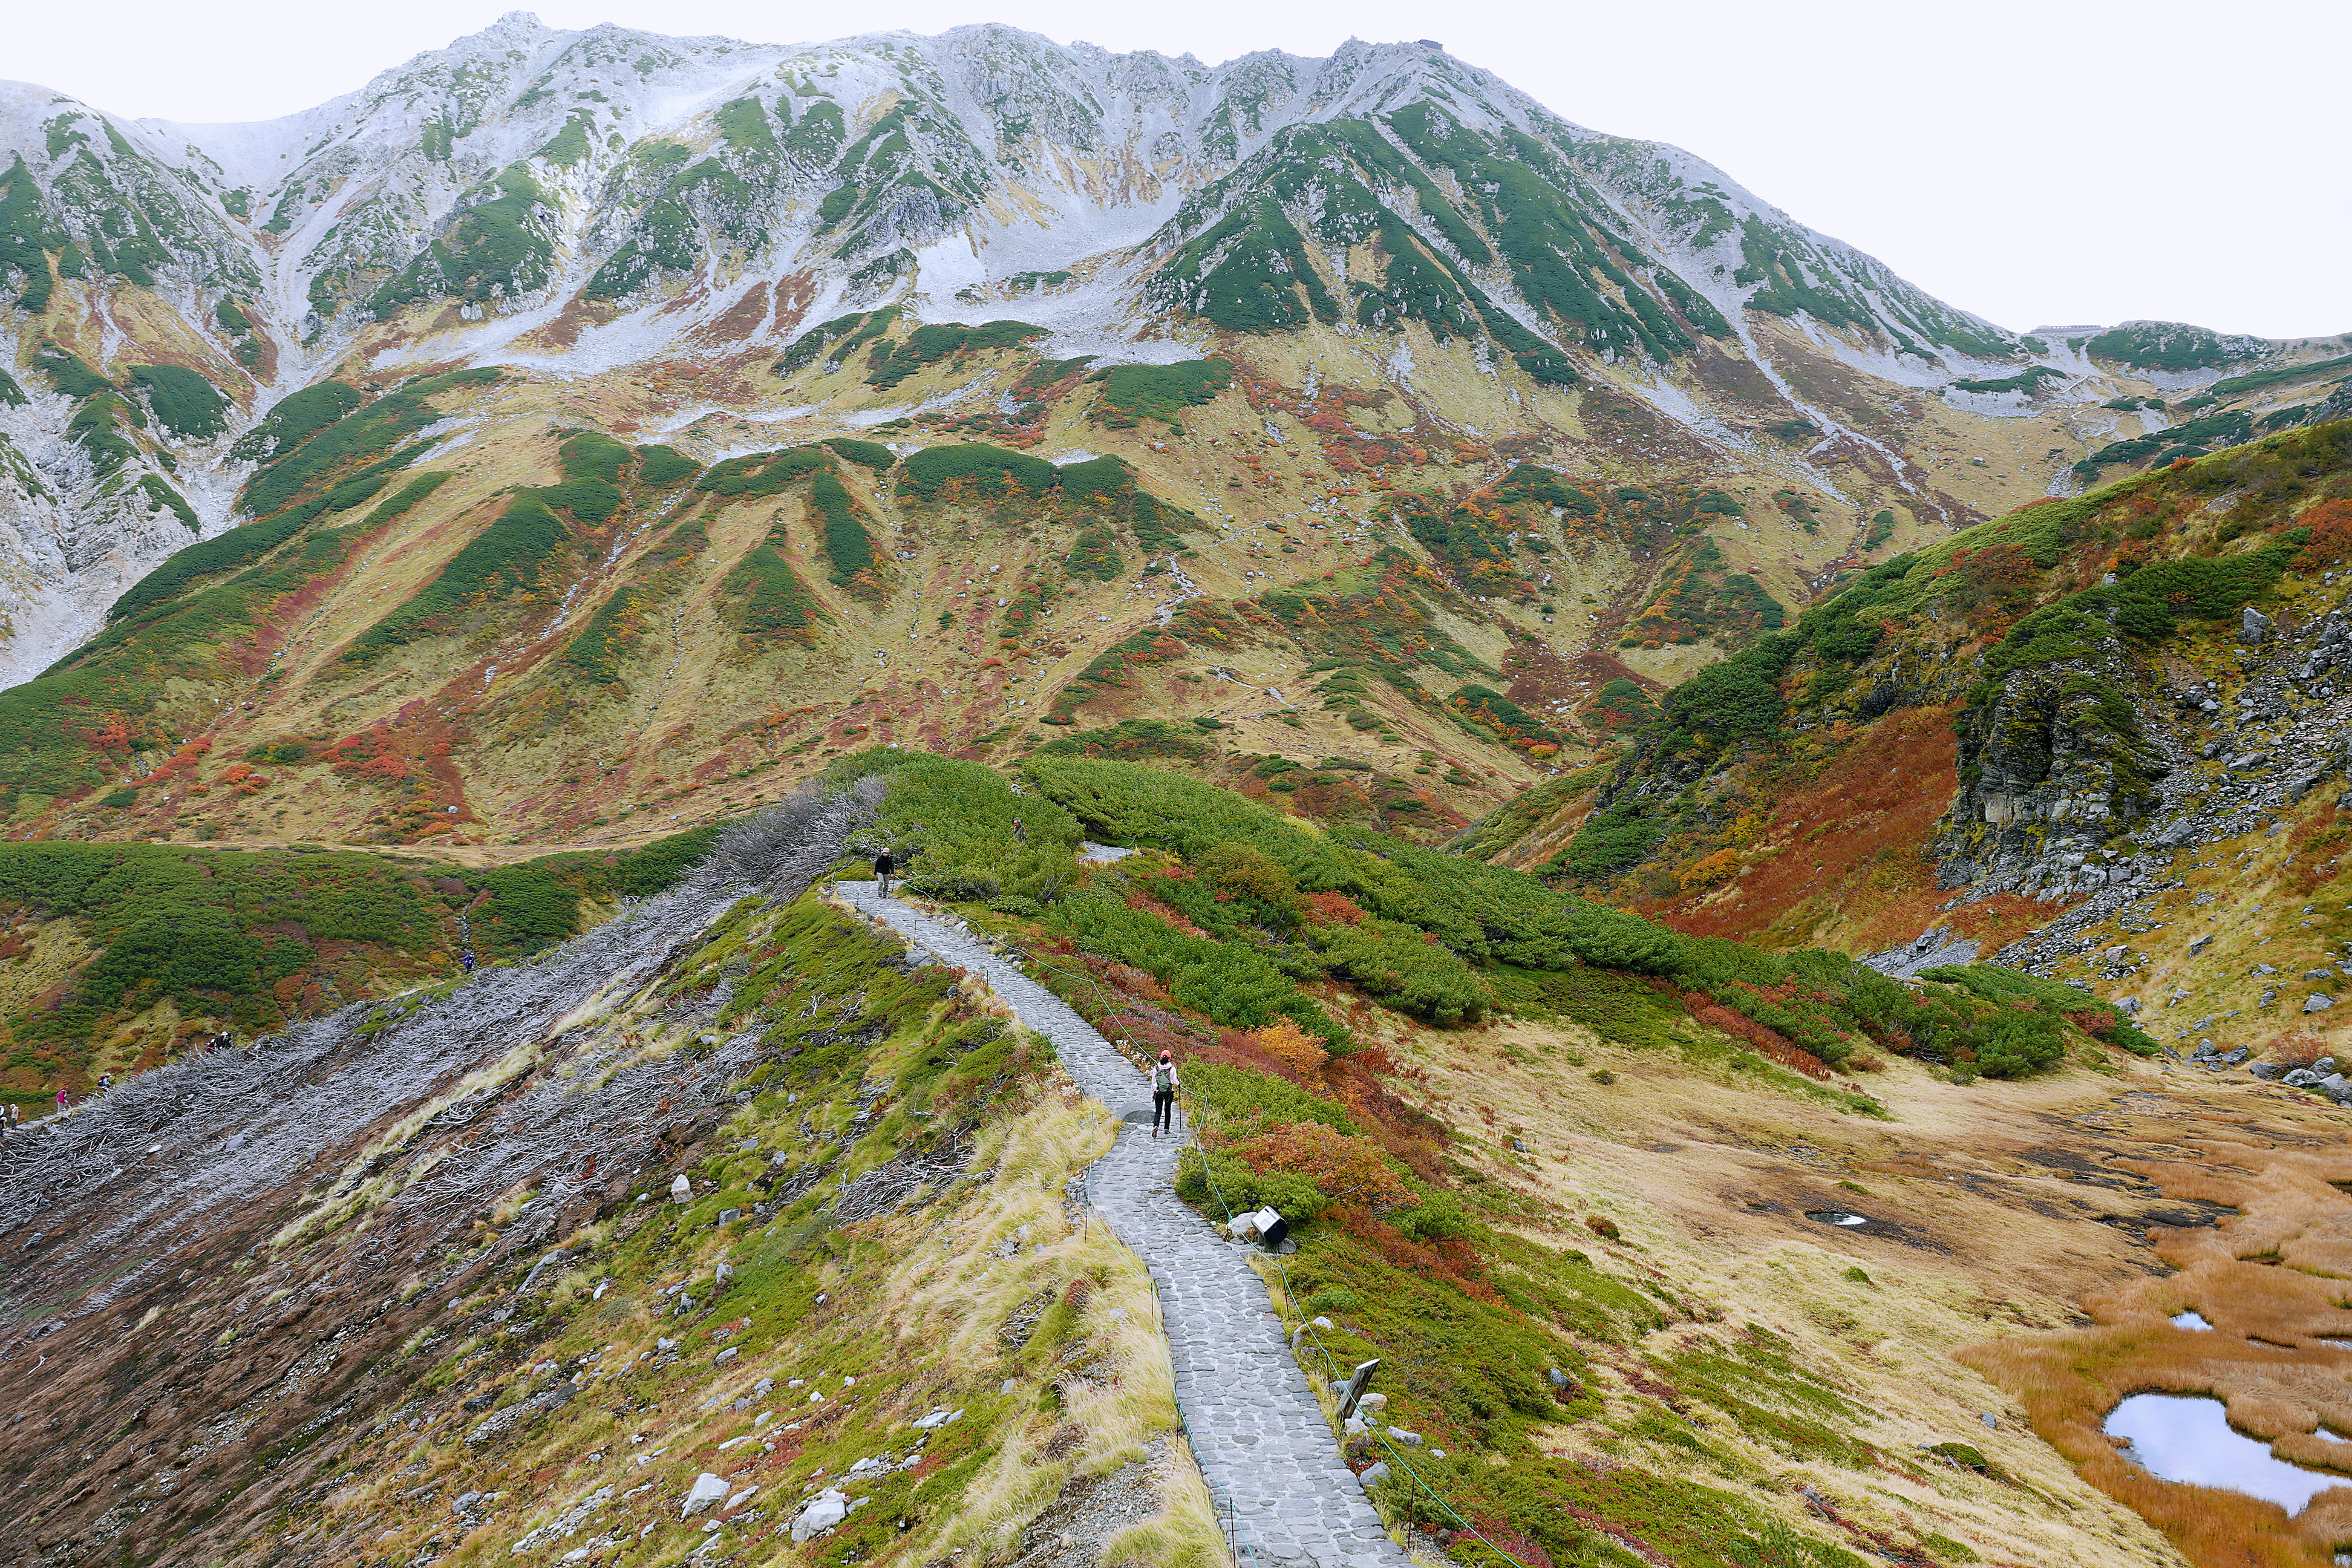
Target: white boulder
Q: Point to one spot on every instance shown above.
(707, 1492)
(829, 1508)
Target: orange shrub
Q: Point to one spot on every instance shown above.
(1714, 868)
(2331, 532)
(2296, 1049)
(1349, 1170)
(1291, 1046)
(1330, 910)
(1766, 1042)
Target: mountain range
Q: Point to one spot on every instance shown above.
(1590, 401)
(1750, 860)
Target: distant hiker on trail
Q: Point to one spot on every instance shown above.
(465, 961)
(105, 1082)
(61, 1101)
(1163, 1094)
(883, 867)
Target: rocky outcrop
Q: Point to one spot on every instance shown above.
(2238, 760)
(2336, 405)
(2327, 657)
(2059, 762)
(1937, 945)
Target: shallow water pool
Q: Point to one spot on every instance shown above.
(2188, 1438)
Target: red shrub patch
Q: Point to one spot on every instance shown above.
(1767, 1043)
(2331, 532)
(1330, 910)
(1352, 1170)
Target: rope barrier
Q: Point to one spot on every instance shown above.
(1234, 1527)
(1242, 1543)
(1289, 1295)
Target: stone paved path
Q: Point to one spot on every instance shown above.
(1259, 1434)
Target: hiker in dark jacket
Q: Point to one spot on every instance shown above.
(883, 867)
(1163, 1094)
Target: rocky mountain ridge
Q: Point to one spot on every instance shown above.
(2101, 740)
(594, 205)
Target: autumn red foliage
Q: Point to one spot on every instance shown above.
(1351, 1170)
(2331, 532)
(1329, 910)
(1766, 1042)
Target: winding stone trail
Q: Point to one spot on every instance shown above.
(1258, 1432)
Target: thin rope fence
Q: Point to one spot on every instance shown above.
(1306, 1322)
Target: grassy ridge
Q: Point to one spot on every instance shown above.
(252, 939)
(505, 557)
(977, 473)
(1134, 393)
(1207, 944)
(931, 344)
(297, 417)
(512, 553)
(185, 403)
(306, 460)
(1250, 903)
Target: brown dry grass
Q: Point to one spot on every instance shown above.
(2270, 1280)
(1983, 1220)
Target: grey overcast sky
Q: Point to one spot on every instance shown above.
(2038, 162)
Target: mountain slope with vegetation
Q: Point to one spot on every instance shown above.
(1750, 860)
(824, 1151)
(2033, 737)
(1628, 414)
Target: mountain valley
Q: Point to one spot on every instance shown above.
(1750, 860)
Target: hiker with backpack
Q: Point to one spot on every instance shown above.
(883, 867)
(1163, 1095)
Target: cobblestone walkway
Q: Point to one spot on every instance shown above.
(1260, 1436)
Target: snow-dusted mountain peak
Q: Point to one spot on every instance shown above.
(608, 202)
